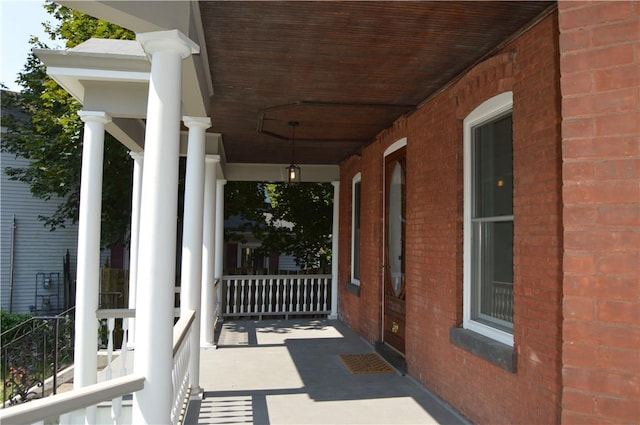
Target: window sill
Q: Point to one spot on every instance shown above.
(494, 352)
(352, 288)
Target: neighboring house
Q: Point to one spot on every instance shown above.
(31, 276)
(240, 256)
(31, 255)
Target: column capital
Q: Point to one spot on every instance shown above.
(94, 116)
(212, 158)
(136, 155)
(171, 40)
(197, 122)
(336, 183)
(221, 181)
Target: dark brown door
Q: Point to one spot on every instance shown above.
(394, 276)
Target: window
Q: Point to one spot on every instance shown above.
(355, 229)
(488, 219)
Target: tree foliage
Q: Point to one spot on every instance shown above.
(48, 132)
(296, 221)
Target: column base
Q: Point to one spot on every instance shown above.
(196, 392)
(333, 316)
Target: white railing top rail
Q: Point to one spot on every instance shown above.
(115, 313)
(276, 276)
(41, 409)
(181, 329)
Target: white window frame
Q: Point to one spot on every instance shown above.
(485, 112)
(356, 179)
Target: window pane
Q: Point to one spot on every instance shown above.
(356, 231)
(493, 168)
(495, 256)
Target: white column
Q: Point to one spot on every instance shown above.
(158, 221)
(208, 310)
(88, 272)
(136, 193)
(219, 249)
(191, 275)
(334, 250)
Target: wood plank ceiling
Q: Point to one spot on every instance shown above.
(343, 70)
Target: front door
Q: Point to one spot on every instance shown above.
(394, 276)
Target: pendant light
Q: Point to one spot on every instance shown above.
(293, 171)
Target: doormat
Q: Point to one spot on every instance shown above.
(365, 363)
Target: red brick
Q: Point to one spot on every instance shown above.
(595, 13)
(577, 128)
(606, 192)
(618, 169)
(618, 263)
(571, 418)
(578, 402)
(619, 215)
(579, 355)
(618, 124)
(574, 40)
(609, 102)
(618, 312)
(605, 35)
(602, 382)
(621, 360)
(601, 147)
(578, 308)
(579, 263)
(578, 171)
(625, 411)
(607, 57)
(579, 216)
(621, 77)
(606, 240)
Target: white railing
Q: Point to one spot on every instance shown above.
(180, 372)
(59, 404)
(111, 315)
(282, 295)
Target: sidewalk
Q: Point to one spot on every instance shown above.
(290, 372)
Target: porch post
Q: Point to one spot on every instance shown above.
(208, 310)
(334, 250)
(158, 212)
(88, 271)
(219, 249)
(138, 160)
(191, 275)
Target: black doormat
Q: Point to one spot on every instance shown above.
(359, 364)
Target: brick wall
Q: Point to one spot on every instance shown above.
(481, 391)
(600, 53)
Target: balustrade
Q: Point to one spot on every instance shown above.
(285, 295)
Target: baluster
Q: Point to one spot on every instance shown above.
(316, 292)
(111, 324)
(227, 306)
(243, 282)
(116, 404)
(291, 284)
(256, 294)
(264, 293)
(298, 293)
(278, 295)
(305, 284)
(270, 295)
(325, 293)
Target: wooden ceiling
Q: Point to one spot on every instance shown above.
(343, 70)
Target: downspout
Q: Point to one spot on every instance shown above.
(13, 245)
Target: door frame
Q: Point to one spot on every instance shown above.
(395, 146)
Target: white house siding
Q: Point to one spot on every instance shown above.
(36, 248)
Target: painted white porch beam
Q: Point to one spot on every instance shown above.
(121, 99)
(276, 172)
(191, 273)
(129, 132)
(208, 307)
(158, 221)
(88, 265)
(334, 250)
(219, 248)
(136, 194)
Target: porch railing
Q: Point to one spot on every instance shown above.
(277, 295)
(113, 389)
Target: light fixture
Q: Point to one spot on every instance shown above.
(293, 171)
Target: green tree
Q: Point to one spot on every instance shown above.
(48, 132)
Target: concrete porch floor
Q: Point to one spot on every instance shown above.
(290, 372)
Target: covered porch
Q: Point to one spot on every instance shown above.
(291, 372)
